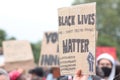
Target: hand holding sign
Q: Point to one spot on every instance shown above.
(79, 76)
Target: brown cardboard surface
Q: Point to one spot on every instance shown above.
(18, 54)
(26, 65)
(77, 38)
(49, 50)
(17, 51)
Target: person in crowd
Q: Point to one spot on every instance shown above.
(117, 77)
(107, 63)
(50, 75)
(46, 71)
(36, 73)
(17, 74)
(4, 75)
(117, 69)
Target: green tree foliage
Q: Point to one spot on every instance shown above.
(12, 38)
(36, 47)
(108, 22)
(2, 36)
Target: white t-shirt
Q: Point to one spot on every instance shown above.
(2, 60)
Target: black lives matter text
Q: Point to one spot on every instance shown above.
(86, 19)
(75, 45)
(81, 19)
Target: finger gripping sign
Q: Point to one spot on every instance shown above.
(77, 38)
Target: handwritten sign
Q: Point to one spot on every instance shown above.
(77, 38)
(49, 53)
(17, 53)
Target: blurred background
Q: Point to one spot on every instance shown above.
(29, 19)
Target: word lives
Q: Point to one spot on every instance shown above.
(80, 19)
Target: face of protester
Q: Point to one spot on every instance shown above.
(105, 63)
(106, 67)
(3, 77)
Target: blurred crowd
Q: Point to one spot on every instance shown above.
(107, 68)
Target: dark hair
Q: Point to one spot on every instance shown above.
(117, 69)
(51, 70)
(117, 77)
(37, 71)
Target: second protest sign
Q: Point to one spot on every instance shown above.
(77, 38)
(49, 51)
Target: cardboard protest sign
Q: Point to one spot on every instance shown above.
(49, 50)
(26, 65)
(17, 53)
(77, 38)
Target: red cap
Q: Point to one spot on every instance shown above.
(14, 75)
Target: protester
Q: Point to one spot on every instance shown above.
(46, 71)
(36, 73)
(107, 64)
(50, 75)
(117, 70)
(117, 77)
(4, 75)
(17, 74)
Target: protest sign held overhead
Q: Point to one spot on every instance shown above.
(77, 38)
(49, 51)
(18, 54)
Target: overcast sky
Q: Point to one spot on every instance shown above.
(29, 19)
